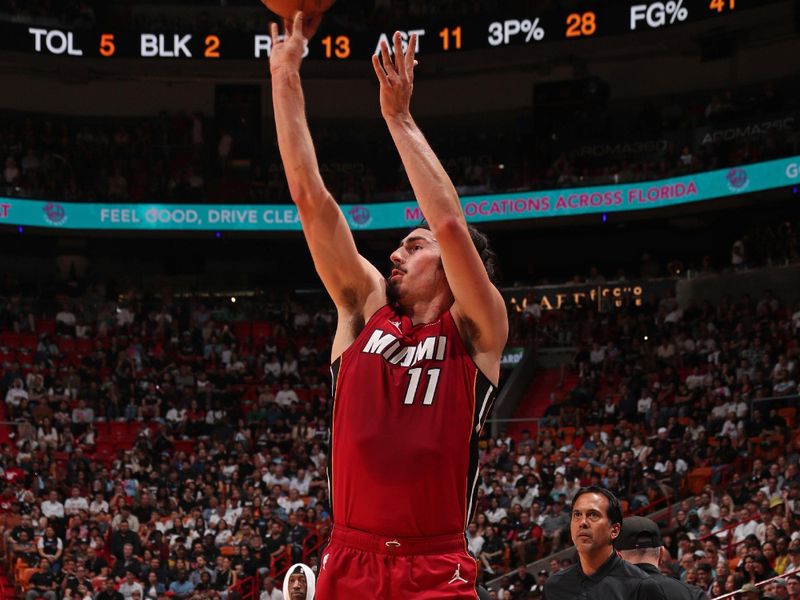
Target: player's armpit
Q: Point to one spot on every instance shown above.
(347, 276)
(479, 308)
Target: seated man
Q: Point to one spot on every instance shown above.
(25, 549)
(42, 583)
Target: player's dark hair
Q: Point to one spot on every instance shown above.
(481, 242)
(614, 512)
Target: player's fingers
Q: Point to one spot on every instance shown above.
(298, 22)
(274, 32)
(410, 51)
(287, 27)
(387, 60)
(376, 64)
(398, 55)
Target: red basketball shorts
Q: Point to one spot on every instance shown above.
(358, 565)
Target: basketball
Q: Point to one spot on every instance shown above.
(287, 8)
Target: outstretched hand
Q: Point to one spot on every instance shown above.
(287, 52)
(396, 76)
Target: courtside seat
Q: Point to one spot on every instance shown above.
(9, 339)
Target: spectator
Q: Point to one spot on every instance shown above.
(42, 583)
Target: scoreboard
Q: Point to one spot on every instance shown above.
(596, 18)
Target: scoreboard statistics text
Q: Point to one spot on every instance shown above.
(443, 36)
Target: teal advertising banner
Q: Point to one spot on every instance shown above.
(400, 215)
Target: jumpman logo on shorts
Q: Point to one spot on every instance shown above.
(457, 576)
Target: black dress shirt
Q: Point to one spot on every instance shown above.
(614, 580)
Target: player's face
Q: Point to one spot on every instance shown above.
(297, 587)
(589, 526)
(416, 266)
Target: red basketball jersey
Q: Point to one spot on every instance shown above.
(409, 404)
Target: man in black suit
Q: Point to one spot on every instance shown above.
(599, 574)
(639, 543)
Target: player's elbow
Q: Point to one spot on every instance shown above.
(449, 227)
(308, 196)
(306, 186)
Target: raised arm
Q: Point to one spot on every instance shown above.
(355, 286)
(479, 308)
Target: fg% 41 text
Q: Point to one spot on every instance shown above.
(502, 33)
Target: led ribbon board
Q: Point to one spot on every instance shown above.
(513, 206)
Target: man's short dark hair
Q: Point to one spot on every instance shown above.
(481, 242)
(614, 512)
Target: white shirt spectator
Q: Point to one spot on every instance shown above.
(301, 485)
(525, 502)
(53, 509)
(66, 317)
(712, 509)
(737, 253)
(742, 530)
(783, 387)
(289, 505)
(496, 515)
(273, 368)
(698, 381)
(73, 505)
(214, 416)
(48, 437)
(290, 367)
(741, 409)
(301, 319)
(127, 589)
(475, 543)
(285, 398)
(275, 594)
(730, 429)
(643, 405)
(232, 516)
(96, 508)
(222, 538)
(124, 317)
(597, 356)
(270, 479)
(15, 395)
(175, 416)
(721, 411)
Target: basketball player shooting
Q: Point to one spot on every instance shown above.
(415, 358)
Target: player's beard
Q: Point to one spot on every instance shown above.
(392, 292)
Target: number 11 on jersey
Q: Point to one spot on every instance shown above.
(416, 374)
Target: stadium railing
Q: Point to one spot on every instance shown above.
(246, 589)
